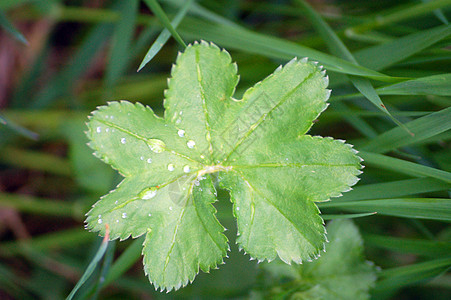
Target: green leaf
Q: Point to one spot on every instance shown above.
(340, 273)
(258, 145)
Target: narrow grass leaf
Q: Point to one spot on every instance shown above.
(19, 129)
(338, 48)
(439, 85)
(239, 38)
(200, 11)
(438, 13)
(401, 48)
(164, 35)
(160, 14)
(395, 189)
(406, 275)
(127, 259)
(400, 13)
(403, 166)
(9, 27)
(120, 45)
(419, 208)
(346, 216)
(92, 265)
(429, 248)
(65, 79)
(423, 128)
(353, 119)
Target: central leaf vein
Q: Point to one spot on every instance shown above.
(204, 105)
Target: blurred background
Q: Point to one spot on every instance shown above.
(59, 60)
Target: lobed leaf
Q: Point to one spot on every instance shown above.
(274, 171)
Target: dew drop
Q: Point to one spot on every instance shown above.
(149, 194)
(107, 129)
(149, 160)
(202, 156)
(170, 207)
(191, 144)
(124, 215)
(156, 145)
(181, 133)
(186, 169)
(150, 215)
(117, 221)
(99, 221)
(141, 158)
(115, 202)
(99, 129)
(237, 208)
(123, 141)
(178, 121)
(171, 167)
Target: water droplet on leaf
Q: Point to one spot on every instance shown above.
(181, 133)
(171, 167)
(191, 144)
(156, 145)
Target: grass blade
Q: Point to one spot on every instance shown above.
(403, 166)
(159, 13)
(239, 38)
(9, 27)
(19, 129)
(439, 85)
(415, 246)
(423, 128)
(64, 80)
(395, 189)
(164, 35)
(418, 208)
(401, 13)
(401, 276)
(346, 216)
(401, 48)
(92, 265)
(127, 259)
(120, 44)
(338, 48)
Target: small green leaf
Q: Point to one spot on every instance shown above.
(274, 171)
(340, 273)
